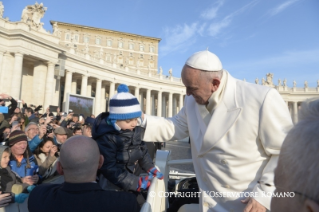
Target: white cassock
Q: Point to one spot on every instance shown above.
(238, 146)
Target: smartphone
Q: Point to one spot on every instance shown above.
(70, 111)
(80, 118)
(4, 109)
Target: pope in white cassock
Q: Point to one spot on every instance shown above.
(236, 131)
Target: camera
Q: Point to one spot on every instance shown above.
(49, 129)
(76, 126)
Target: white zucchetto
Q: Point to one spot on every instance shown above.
(204, 60)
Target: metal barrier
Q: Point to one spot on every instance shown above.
(154, 201)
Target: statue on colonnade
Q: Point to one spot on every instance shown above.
(306, 84)
(285, 83)
(32, 15)
(170, 72)
(257, 81)
(294, 83)
(269, 78)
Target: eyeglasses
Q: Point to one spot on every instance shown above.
(304, 196)
(34, 129)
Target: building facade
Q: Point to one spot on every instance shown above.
(41, 67)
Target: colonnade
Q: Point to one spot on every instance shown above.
(152, 101)
(294, 107)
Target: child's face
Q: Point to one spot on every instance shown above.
(5, 159)
(128, 124)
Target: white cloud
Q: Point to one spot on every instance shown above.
(281, 7)
(179, 37)
(211, 13)
(216, 27)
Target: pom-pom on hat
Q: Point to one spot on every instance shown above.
(204, 60)
(124, 105)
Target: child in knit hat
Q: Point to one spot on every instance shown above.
(119, 137)
(9, 181)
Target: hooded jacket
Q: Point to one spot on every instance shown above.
(7, 177)
(122, 150)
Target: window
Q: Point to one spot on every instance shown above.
(151, 57)
(131, 62)
(98, 41)
(120, 45)
(109, 43)
(141, 56)
(121, 53)
(131, 46)
(67, 36)
(141, 48)
(151, 49)
(86, 39)
(131, 54)
(151, 64)
(76, 38)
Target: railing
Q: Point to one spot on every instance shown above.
(154, 201)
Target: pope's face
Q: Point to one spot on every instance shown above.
(196, 85)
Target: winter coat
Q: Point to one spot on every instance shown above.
(47, 164)
(122, 150)
(7, 177)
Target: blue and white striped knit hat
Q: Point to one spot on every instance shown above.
(124, 105)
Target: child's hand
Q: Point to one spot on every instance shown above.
(153, 172)
(143, 183)
(27, 180)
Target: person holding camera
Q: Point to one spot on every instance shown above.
(3, 99)
(46, 155)
(31, 116)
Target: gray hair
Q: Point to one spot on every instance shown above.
(300, 151)
(27, 127)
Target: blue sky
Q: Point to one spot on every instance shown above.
(251, 37)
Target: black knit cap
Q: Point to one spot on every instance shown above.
(17, 136)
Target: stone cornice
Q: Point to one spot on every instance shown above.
(105, 30)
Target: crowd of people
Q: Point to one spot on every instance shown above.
(30, 145)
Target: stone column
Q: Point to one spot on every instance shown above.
(39, 81)
(49, 86)
(174, 105)
(159, 103)
(164, 114)
(181, 101)
(137, 93)
(6, 79)
(148, 102)
(152, 104)
(103, 102)
(84, 84)
(57, 85)
(89, 89)
(170, 104)
(97, 110)
(112, 90)
(67, 85)
(1, 59)
(74, 85)
(295, 112)
(17, 76)
(142, 102)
